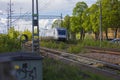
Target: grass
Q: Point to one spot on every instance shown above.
(53, 44)
(52, 69)
(77, 46)
(57, 70)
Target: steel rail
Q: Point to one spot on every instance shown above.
(85, 63)
(103, 50)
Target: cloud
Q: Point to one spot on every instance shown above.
(46, 24)
(58, 5)
(46, 7)
(3, 27)
(1, 12)
(21, 25)
(3, 20)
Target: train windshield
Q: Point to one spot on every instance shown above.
(62, 32)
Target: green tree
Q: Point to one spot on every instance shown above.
(12, 33)
(9, 44)
(86, 17)
(57, 23)
(77, 13)
(111, 15)
(94, 19)
(66, 24)
(74, 26)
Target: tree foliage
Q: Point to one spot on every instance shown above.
(77, 20)
(79, 8)
(87, 19)
(9, 42)
(57, 23)
(12, 33)
(110, 15)
(66, 24)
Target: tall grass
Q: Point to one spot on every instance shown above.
(53, 44)
(78, 46)
(57, 70)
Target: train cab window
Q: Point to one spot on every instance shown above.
(61, 32)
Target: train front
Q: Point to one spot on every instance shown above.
(61, 34)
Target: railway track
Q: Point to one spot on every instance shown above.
(98, 67)
(103, 50)
(85, 63)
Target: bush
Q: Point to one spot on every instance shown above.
(53, 44)
(61, 46)
(78, 46)
(75, 49)
(8, 44)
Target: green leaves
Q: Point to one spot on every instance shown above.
(75, 24)
(57, 23)
(87, 19)
(79, 8)
(8, 44)
(66, 22)
(111, 13)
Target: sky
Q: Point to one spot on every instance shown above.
(46, 7)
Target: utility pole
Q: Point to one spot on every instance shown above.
(20, 11)
(8, 19)
(9, 15)
(35, 27)
(20, 16)
(61, 20)
(100, 28)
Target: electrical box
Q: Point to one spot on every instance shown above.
(27, 66)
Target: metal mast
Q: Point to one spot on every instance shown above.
(8, 22)
(10, 14)
(35, 27)
(100, 29)
(61, 20)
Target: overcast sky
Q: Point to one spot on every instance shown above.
(46, 7)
